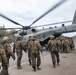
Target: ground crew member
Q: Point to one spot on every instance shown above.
(3, 61)
(8, 49)
(52, 47)
(29, 50)
(19, 46)
(35, 50)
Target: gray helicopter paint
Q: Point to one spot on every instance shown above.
(42, 35)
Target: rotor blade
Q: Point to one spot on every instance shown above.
(10, 20)
(54, 7)
(53, 23)
(9, 28)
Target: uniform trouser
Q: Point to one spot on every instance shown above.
(19, 56)
(29, 57)
(65, 48)
(4, 72)
(36, 56)
(8, 57)
(55, 57)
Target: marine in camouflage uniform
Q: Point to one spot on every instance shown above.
(19, 46)
(61, 45)
(29, 50)
(52, 47)
(3, 61)
(71, 44)
(58, 41)
(8, 49)
(67, 44)
(35, 50)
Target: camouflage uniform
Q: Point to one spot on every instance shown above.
(8, 50)
(19, 46)
(29, 50)
(35, 50)
(59, 44)
(67, 45)
(71, 44)
(52, 47)
(3, 61)
(64, 46)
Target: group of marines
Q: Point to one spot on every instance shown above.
(65, 45)
(34, 49)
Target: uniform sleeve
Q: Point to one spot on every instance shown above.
(29, 45)
(14, 48)
(3, 55)
(39, 46)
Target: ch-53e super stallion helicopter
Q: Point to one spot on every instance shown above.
(43, 34)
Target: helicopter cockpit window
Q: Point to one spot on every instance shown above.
(23, 33)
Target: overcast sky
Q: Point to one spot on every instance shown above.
(26, 11)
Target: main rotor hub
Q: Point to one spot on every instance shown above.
(26, 27)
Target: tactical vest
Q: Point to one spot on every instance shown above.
(34, 46)
(18, 44)
(53, 45)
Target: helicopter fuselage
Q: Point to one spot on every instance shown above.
(43, 35)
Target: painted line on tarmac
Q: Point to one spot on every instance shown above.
(27, 62)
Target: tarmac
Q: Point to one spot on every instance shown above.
(67, 66)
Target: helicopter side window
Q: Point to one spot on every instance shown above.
(34, 30)
(62, 25)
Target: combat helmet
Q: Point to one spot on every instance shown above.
(19, 37)
(6, 38)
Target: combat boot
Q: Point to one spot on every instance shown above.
(30, 63)
(57, 64)
(38, 68)
(34, 68)
(19, 67)
(54, 66)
